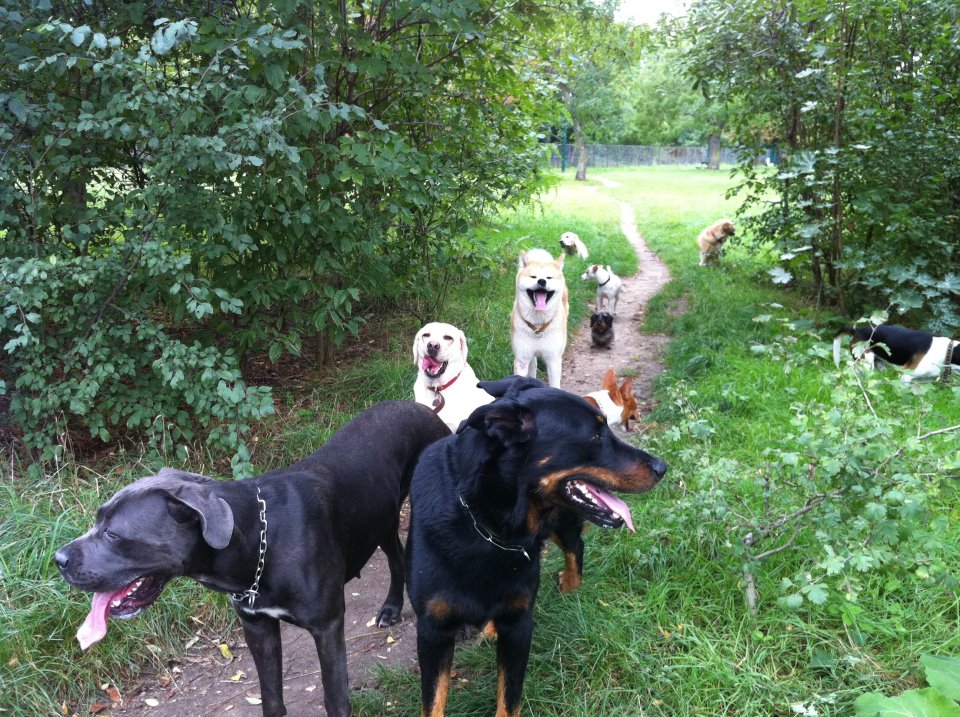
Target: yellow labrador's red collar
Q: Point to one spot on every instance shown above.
(439, 402)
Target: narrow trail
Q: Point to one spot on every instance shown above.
(204, 683)
(632, 353)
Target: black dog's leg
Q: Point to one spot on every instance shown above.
(568, 534)
(263, 638)
(332, 651)
(390, 612)
(435, 654)
(513, 651)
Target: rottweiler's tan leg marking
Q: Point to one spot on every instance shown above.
(570, 575)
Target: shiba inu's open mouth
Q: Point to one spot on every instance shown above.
(540, 298)
(433, 368)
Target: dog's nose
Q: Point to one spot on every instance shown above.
(433, 347)
(658, 467)
(541, 282)
(61, 559)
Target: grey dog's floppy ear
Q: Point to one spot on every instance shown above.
(216, 516)
(510, 386)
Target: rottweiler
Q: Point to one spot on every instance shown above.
(484, 502)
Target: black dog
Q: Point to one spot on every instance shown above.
(601, 329)
(922, 355)
(282, 545)
(483, 503)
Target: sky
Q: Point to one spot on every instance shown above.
(649, 11)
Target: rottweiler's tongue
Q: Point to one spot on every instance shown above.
(540, 300)
(614, 504)
(430, 364)
(94, 628)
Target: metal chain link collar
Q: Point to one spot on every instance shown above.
(253, 593)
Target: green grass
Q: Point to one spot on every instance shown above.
(660, 626)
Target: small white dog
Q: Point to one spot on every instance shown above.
(571, 244)
(609, 286)
(538, 324)
(445, 381)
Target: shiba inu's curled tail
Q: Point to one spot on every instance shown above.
(845, 331)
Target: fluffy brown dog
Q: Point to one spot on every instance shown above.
(712, 238)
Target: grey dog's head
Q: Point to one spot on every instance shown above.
(146, 534)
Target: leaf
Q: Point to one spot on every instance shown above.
(943, 673)
(779, 275)
(225, 651)
(914, 703)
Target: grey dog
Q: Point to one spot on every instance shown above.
(281, 545)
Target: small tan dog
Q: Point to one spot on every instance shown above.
(445, 381)
(712, 238)
(538, 324)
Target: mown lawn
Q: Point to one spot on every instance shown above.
(661, 625)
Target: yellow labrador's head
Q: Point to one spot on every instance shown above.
(440, 350)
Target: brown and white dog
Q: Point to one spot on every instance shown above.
(616, 401)
(712, 238)
(922, 355)
(571, 244)
(609, 286)
(538, 324)
(445, 381)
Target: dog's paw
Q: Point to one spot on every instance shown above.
(388, 615)
(569, 580)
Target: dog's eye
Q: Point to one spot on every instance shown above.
(110, 536)
(448, 338)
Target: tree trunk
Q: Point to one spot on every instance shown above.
(713, 160)
(581, 151)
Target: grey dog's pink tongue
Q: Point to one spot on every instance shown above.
(94, 628)
(540, 300)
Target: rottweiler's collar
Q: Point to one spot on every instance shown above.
(439, 402)
(490, 536)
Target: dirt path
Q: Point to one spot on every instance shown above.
(204, 682)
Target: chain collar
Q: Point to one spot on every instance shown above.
(253, 593)
(489, 536)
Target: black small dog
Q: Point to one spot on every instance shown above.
(281, 545)
(483, 504)
(601, 329)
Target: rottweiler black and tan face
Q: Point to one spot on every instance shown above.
(572, 458)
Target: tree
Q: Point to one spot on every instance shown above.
(589, 56)
(861, 98)
(190, 188)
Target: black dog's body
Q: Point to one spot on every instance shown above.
(601, 329)
(921, 354)
(483, 503)
(325, 517)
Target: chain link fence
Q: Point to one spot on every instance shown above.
(631, 155)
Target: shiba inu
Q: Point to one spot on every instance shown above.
(538, 325)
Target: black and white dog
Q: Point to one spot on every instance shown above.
(922, 355)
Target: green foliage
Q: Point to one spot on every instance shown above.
(860, 100)
(938, 700)
(186, 191)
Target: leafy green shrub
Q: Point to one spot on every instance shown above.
(187, 191)
(938, 700)
(849, 490)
